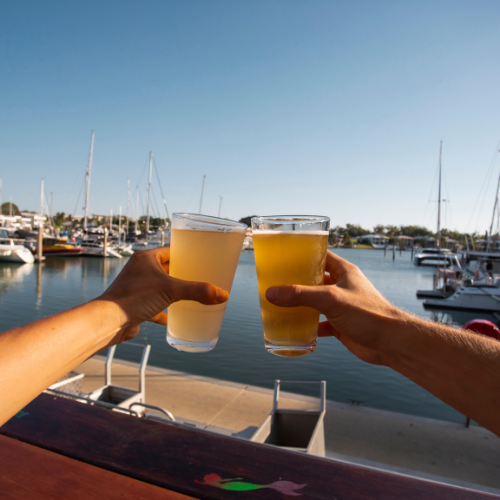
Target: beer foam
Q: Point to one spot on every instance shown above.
(270, 231)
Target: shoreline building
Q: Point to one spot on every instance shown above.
(375, 240)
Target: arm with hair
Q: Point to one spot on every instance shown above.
(34, 356)
(459, 367)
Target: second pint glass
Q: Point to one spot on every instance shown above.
(289, 250)
(204, 249)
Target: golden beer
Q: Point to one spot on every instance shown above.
(207, 256)
(289, 258)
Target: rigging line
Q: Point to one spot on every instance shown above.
(488, 175)
(155, 205)
(498, 220)
(142, 206)
(78, 197)
(432, 215)
(436, 175)
(484, 199)
(431, 191)
(161, 189)
(69, 194)
(187, 206)
(46, 204)
(146, 163)
(448, 203)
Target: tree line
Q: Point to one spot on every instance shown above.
(350, 231)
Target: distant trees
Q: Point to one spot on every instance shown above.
(415, 231)
(59, 218)
(353, 230)
(9, 208)
(247, 220)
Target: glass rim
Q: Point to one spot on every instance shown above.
(208, 219)
(291, 219)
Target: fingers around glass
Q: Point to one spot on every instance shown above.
(336, 266)
(163, 254)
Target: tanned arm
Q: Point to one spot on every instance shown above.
(34, 356)
(459, 367)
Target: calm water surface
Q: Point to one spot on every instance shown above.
(29, 292)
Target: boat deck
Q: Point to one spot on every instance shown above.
(420, 447)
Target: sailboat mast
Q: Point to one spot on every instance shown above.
(41, 198)
(493, 216)
(87, 182)
(202, 188)
(136, 207)
(439, 199)
(149, 191)
(128, 202)
(220, 205)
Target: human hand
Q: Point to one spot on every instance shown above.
(143, 290)
(357, 314)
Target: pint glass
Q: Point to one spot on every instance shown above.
(289, 250)
(204, 249)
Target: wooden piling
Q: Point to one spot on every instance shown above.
(163, 238)
(105, 243)
(39, 244)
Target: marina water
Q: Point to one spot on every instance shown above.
(29, 292)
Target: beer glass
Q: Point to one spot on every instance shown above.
(205, 249)
(289, 250)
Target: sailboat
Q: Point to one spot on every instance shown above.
(91, 245)
(473, 295)
(161, 237)
(437, 256)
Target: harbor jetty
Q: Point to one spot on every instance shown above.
(413, 446)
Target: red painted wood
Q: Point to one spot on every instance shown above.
(178, 458)
(29, 472)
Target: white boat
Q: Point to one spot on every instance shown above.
(145, 245)
(125, 249)
(248, 241)
(377, 241)
(10, 252)
(436, 257)
(470, 298)
(96, 249)
(152, 242)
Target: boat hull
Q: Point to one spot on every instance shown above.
(469, 298)
(99, 252)
(16, 253)
(63, 252)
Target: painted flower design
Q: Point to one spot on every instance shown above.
(286, 487)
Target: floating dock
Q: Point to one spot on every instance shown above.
(420, 447)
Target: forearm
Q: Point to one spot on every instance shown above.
(34, 356)
(460, 368)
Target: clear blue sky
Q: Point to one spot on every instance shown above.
(332, 108)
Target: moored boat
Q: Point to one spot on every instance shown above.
(59, 247)
(10, 252)
(470, 298)
(96, 249)
(436, 257)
